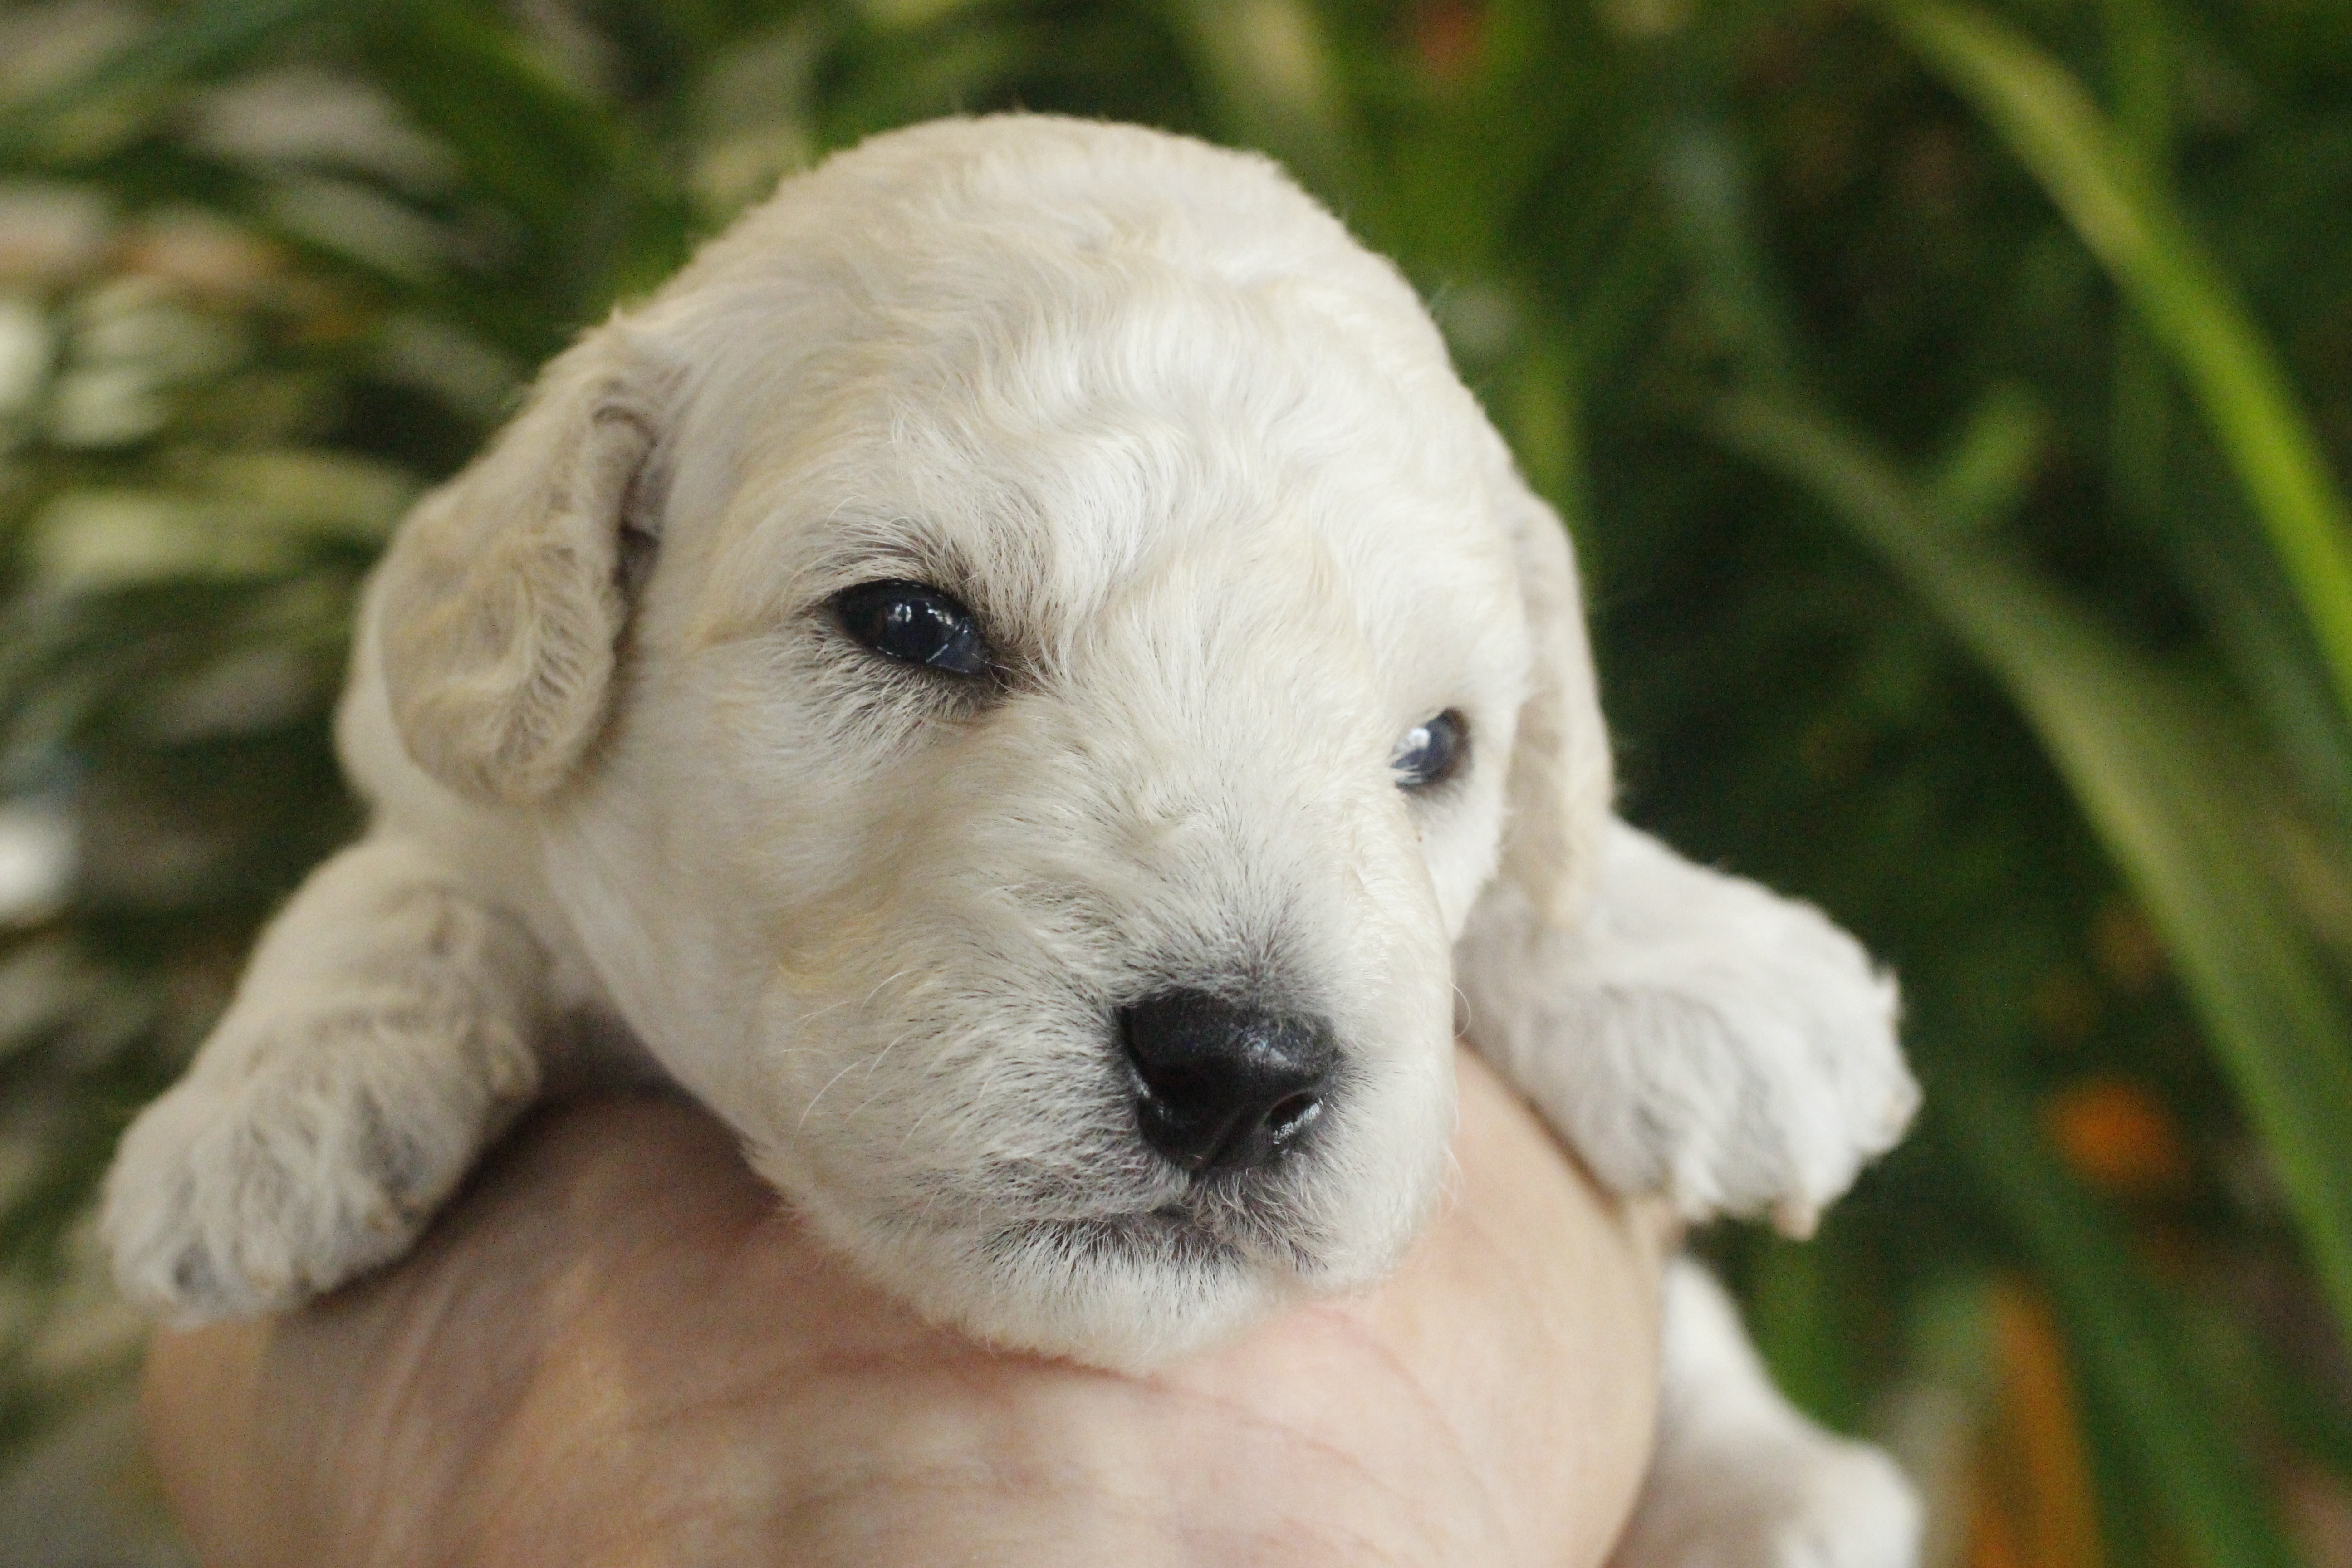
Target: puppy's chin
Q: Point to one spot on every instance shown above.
(1126, 1292)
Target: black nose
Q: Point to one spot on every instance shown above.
(1222, 1086)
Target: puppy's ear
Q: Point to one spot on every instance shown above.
(500, 600)
(1692, 1034)
(1560, 779)
(1688, 1032)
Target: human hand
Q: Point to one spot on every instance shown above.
(614, 1348)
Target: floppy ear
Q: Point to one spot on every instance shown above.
(1560, 779)
(499, 603)
(1687, 1033)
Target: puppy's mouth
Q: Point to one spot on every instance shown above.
(1164, 1238)
(1214, 1225)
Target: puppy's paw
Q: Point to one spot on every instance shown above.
(248, 1191)
(1810, 1502)
(1732, 1097)
(1697, 1035)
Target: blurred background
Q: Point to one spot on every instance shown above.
(1952, 403)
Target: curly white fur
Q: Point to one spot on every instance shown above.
(1733, 1049)
(1200, 466)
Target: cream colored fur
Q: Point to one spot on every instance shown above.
(1198, 464)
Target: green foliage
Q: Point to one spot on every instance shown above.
(2185, 822)
(1950, 401)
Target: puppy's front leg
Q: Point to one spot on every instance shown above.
(1740, 1479)
(1692, 1035)
(383, 1033)
(1695, 1036)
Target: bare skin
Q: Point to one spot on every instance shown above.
(614, 1349)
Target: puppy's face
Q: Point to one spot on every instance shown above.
(1064, 723)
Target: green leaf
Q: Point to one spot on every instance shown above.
(1981, 479)
(2183, 814)
(2126, 1341)
(2107, 192)
(2139, 69)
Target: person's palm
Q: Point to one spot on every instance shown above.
(616, 1348)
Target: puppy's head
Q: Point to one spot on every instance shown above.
(1022, 656)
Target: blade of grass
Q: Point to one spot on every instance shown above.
(2177, 812)
(2120, 1327)
(2252, 614)
(2189, 305)
(2139, 69)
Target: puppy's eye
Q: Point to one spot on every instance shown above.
(1431, 751)
(914, 623)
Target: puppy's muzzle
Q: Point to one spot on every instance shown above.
(1221, 1086)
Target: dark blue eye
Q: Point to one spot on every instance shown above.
(914, 623)
(1431, 751)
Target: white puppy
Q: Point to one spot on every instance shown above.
(1011, 680)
